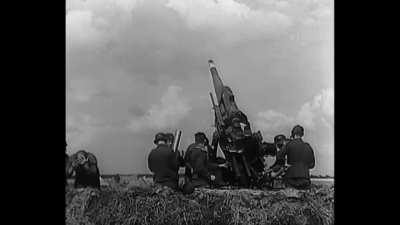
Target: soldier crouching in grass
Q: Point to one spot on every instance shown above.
(164, 163)
(300, 157)
(87, 174)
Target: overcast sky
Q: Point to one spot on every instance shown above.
(136, 67)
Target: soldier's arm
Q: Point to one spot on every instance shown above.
(175, 160)
(186, 158)
(149, 163)
(312, 158)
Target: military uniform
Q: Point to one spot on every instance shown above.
(197, 160)
(164, 163)
(300, 158)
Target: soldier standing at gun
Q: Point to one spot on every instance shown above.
(197, 164)
(300, 157)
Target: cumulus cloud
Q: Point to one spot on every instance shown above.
(122, 55)
(81, 129)
(273, 120)
(81, 90)
(172, 108)
(81, 30)
(231, 20)
(318, 111)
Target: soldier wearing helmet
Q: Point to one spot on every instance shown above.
(164, 163)
(300, 159)
(200, 170)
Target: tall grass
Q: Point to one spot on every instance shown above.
(148, 205)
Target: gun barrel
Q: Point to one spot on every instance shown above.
(218, 85)
(177, 140)
(212, 100)
(217, 111)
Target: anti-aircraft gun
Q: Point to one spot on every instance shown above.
(241, 147)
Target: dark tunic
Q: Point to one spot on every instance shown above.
(300, 157)
(87, 177)
(164, 163)
(198, 161)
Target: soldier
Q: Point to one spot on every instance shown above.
(87, 174)
(300, 157)
(164, 163)
(202, 171)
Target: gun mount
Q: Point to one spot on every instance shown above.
(233, 134)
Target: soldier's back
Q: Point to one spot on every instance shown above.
(298, 151)
(300, 157)
(161, 164)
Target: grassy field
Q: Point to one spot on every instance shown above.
(137, 201)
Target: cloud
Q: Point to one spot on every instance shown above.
(122, 56)
(81, 129)
(318, 111)
(232, 21)
(81, 90)
(81, 30)
(172, 108)
(272, 120)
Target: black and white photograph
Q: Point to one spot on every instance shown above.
(203, 112)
